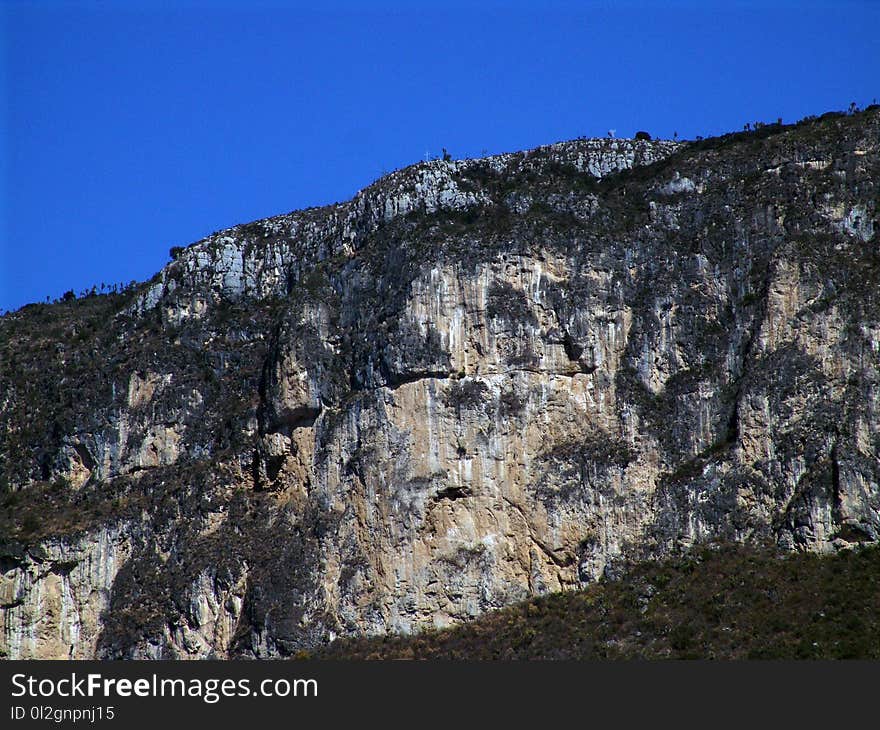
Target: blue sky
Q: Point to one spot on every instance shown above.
(132, 127)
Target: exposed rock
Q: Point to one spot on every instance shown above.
(476, 381)
(52, 596)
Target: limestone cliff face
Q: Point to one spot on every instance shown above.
(476, 381)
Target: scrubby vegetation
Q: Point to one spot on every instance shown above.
(718, 602)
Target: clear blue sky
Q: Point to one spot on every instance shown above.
(131, 127)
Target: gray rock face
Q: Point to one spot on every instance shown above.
(476, 381)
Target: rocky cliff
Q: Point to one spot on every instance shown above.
(477, 381)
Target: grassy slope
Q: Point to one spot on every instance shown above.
(724, 602)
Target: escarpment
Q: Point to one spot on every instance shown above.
(477, 381)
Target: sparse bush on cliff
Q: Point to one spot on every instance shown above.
(465, 394)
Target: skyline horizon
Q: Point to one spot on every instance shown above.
(130, 130)
(103, 287)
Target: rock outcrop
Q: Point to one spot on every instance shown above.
(476, 381)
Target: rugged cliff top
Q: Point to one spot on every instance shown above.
(55, 358)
